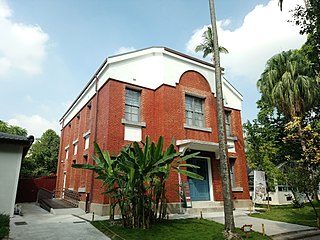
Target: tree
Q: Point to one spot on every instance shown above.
(43, 156)
(265, 150)
(229, 226)
(304, 173)
(207, 44)
(135, 179)
(5, 127)
(288, 85)
(307, 17)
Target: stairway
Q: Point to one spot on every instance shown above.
(204, 207)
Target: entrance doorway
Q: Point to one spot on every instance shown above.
(199, 189)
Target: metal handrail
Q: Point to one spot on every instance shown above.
(44, 194)
(68, 195)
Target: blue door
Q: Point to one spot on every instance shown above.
(199, 189)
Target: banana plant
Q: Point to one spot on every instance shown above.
(135, 179)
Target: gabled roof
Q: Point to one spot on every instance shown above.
(127, 55)
(141, 63)
(26, 142)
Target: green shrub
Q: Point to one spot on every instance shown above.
(4, 225)
(135, 179)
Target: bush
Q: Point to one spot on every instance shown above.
(4, 225)
(135, 179)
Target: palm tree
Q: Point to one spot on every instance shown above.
(286, 84)
(207, 45)
(229, 226)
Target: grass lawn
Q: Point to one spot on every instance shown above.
(302, 216)
(171, 229)
(4, 225)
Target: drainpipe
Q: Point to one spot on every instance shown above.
(95, 135)
(60, 165)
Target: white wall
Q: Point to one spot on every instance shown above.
(10, 162)
(150, 68)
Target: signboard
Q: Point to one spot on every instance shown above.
(259, 185)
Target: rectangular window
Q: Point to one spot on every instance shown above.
(75, 149)
(86, 142)
(228, 123)
(232, 173)
(132, 105)
(67, 153)
(194, 111)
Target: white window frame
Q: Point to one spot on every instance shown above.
(75, 147)
(130, 106)
(227, 116)
(86, 137)
(194, 121)
(67, 151)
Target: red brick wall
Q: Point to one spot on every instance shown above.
(163, 111)
(28, 187)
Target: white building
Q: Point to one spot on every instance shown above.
(13, 148)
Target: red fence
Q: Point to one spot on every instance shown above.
(28, 187)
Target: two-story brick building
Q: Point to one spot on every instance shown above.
(154, 91)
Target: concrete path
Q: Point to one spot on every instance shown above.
(38, 224)
(271, 228)
(70, 224)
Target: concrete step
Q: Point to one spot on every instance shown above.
(197, 211)
(206, 204)
(67, 211)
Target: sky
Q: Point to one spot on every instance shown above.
(49, 50)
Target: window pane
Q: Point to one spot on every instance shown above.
(194, 111)
(134, 118)
(132, 106)
(228, 123)
(188, 103)
(232, 173)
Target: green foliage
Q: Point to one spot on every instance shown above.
(288, 84)
(207, 45)
(42, 159)
(135, 179)
(308, 19)
(171, 229)
(4, 127)
(264, 147)
(304, 171)
(4, 225)
(312, 52)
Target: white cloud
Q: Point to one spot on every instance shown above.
(22, 46)
(5, 11)
(265, 32)
(124, 50)
(35, 124)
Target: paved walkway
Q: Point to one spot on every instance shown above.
(38, 224)
(69, 224)
(271, 228)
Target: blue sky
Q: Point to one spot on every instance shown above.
(50, 49)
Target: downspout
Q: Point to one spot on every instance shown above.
(95, 135)
(59, 165)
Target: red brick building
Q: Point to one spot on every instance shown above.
(154, 91)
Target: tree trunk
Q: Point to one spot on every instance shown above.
(314, 209)
(224, 165)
